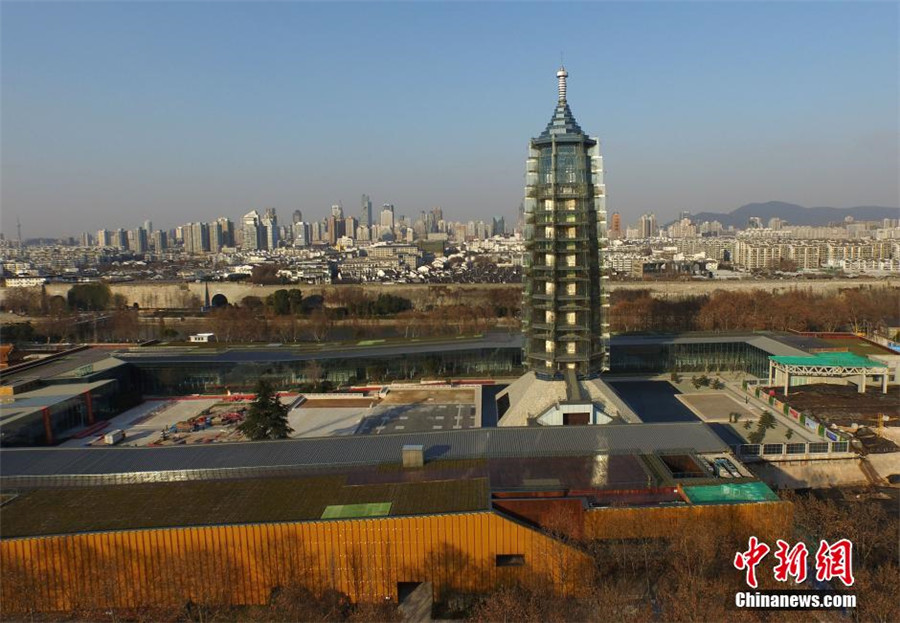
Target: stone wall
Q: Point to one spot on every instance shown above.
(177, 295)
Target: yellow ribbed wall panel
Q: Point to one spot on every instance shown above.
(364, 558)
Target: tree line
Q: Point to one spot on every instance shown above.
(856, 310)
(355, 312)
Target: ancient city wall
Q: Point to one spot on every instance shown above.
(176, 295)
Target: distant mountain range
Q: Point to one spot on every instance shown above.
(795, 214)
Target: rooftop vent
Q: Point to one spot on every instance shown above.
(413, 456)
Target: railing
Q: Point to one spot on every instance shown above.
(793, 451)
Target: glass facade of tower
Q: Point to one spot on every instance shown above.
(566, 296)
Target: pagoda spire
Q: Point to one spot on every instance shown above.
(563, 121)
(561, 76)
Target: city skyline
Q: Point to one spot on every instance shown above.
(115, 114)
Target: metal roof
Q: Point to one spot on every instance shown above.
(158, 355)
(58, 364)
(55, 510)
(770, 343)
(364, 450)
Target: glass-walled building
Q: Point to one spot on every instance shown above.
(239, 369)
(51, 414)
(165, 372)
(658, 355)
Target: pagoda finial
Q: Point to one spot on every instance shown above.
(561, 76)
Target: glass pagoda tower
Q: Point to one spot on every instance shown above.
(566, 300)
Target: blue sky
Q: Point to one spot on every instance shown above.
(113, 113)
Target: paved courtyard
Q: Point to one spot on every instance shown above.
(714, 409)
(418, 418)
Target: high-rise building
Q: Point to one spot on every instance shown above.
(253, 238)
(104, 238)
(300, 231)
(298, 217)
(270, 236)
(159, 240)
(337, 211)
(565, 295)
(120, 239)
(350, 227)
(365, 214)
(615, 226)
(196, 238)
(387, 216)
(335, 229)
(141, 243)
(648, 225)
(187, 237)
(227, 231)
(215, 236)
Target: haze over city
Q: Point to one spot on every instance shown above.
(114, 114)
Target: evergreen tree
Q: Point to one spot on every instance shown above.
(267, 417)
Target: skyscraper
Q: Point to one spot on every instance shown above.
(615, 229)
(387, 216)
(365, 214)
(120, 239)
(648, 225)
(270, 236)
(216, 239)
(227, 231)
(566, 299)
(159, 241)
(253, 232)
(141, 243)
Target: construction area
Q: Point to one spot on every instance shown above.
(873, 417)
(843, 405)
(188, 420)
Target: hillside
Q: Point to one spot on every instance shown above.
(796, 214)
